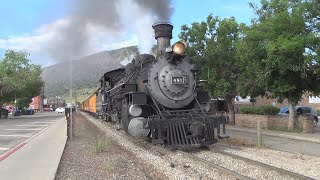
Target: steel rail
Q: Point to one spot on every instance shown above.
(220, 168)
(289, 173)
(216, 166)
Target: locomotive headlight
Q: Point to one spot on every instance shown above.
(179, 47)
(135, 110)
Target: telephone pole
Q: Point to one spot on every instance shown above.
(71, 121)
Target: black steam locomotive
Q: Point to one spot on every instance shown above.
(160, 98)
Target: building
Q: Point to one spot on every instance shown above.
(36, 103)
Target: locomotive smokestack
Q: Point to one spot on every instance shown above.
(163, 34)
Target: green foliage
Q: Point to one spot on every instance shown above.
(281, 49)
(211, 44)
(269, 110)
(64, 104)
(101, 144)
(278, 128)
(263, 110)
(249, 110)
(19, 78)
(24, 102)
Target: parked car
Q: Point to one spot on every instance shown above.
(60, 110)
(26, 111)
(16, 112)
(3, 112)
(302, 110)
(10, 109)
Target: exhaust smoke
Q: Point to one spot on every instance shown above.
(92, 23)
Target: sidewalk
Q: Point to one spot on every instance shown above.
(39, 157)
(315, 137)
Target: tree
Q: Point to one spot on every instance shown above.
(212, 45)
(19, 78)
(282, 51)
(64, 104)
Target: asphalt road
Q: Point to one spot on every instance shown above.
(15, 130)
(280, 143)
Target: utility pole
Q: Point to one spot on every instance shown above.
(71, 121)
(75, 99)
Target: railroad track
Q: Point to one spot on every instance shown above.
(247, 160)
(214, 165)
(218, 167)
(263, 165)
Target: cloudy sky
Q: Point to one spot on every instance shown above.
(55, 30)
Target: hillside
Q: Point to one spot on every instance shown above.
(85, 72)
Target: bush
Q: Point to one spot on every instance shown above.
(269, 110)
(248, 110)
(263, 110)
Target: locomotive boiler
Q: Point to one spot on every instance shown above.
(160, 97)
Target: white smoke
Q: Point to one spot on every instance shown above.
(139, 21)
(94, 22)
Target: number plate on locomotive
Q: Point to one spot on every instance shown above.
(177, 80)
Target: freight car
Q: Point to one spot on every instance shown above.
(90, 105)
(159, 97)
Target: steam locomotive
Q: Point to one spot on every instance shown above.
(159, 97)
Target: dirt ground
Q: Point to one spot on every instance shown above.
(90, 155)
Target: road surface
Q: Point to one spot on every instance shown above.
(16, 130)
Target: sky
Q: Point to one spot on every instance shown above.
(32, 25)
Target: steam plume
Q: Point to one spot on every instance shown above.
(108, 20)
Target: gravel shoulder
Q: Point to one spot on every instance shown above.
(81, 160)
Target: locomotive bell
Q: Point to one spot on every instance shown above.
(163, 34)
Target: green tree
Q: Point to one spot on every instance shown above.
(64, 104)
(212, 45)
(19, 78)
(282, 50)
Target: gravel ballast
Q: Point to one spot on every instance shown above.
(298, 163)
(81, 161)
(126, 158)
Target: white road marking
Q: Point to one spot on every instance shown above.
(13, 135)
(43, 122)
(4, 149)
(33, 125)
(22, 129)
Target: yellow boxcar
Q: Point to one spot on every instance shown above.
(92, 103)
(89, 104)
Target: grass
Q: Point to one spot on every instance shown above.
(285, 129)
(298, 128)
(101, 144)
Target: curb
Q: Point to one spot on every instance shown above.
(65, 143)
(11, 151)
(294, 137)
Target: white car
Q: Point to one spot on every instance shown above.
(60, 110)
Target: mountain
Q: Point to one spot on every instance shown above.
(86, 72)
